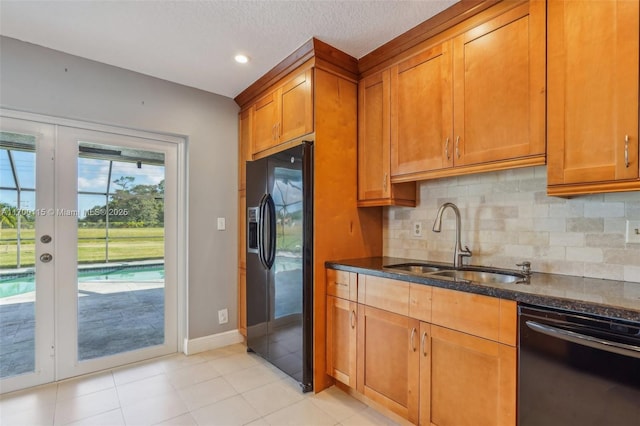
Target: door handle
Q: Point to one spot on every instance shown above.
(46, 257)
(267, 254)
(424, 348)
(584, 340)
(626, 151)
(446, 148)
(261, 248)
(271, 255)
(413, 333)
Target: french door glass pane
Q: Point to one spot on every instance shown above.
(120, 250)
(17, 254)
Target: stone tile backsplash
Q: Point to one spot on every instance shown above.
(507, 217)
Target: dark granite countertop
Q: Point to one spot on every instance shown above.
(615, 299)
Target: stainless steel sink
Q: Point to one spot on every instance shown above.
(484, 277)
(476, 274)
(417, 268)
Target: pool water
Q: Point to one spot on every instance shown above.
(26, 284)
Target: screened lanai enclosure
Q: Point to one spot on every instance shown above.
(120, 207)
(118, 248)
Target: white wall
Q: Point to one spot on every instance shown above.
(507, 217)
(45, 81)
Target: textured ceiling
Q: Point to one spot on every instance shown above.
(194, 42)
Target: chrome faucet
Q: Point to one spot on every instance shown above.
(458, 252)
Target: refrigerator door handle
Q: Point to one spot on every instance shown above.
(261, 230)
(267, 232)
(271, 255)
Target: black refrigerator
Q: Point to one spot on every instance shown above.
(280, 261)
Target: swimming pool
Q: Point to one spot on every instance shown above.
(26, 284)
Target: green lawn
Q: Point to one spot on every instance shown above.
(124, 244)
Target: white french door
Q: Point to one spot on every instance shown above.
(26, 303)
(103, 221)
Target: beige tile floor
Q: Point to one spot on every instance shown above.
(225, 387)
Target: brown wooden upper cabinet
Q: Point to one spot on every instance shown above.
(374, 174)
(284, 113)
(593, 96)
(499, 88)
(473, 102)
(422, 112)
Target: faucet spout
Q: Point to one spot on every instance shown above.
(458, 252)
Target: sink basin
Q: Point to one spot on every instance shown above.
(472, 273)
(481, 276)
(417, 268)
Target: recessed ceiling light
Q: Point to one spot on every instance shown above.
(241, 59)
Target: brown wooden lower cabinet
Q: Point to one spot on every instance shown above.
(425, 373)
(429, 374)
(388, 360)
(342, 318)
(473, 381)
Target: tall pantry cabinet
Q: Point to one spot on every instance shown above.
(319, 84)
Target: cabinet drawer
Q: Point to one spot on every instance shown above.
(482, 316)
(420, 302)
(342, 284)
(384, 293)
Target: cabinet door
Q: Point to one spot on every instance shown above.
(242, 301)
(244, 141)
(242, 262)
(265, 119)
(374, 150)
(425, 374)
(422, 112)
(593, 93)
(499, 88)
(473, 380)
(296, 103)
(341, 340)
(388, 360)
(373, 137)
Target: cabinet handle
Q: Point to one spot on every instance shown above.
(273, 132)
(458, 147)
(353, 319)
(384, 182)
(626, 150)
(413, 333)
(423, 341)
(446, 148)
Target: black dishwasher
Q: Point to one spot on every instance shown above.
(577, 370)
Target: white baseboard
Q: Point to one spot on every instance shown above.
(214, 341)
